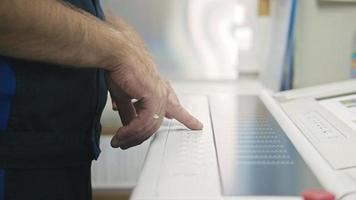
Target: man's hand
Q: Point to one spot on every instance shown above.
(139, 126)
(137, 78)
(154, 97)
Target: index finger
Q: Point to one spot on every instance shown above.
(183, 116)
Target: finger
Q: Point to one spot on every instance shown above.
(127, 112)
(139, 126)
(143, 137)
(139, 137)
(168, 116)
(131, 134)
(184, 117)
(147, 132)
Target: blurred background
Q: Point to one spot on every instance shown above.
(200, 39)
(283, 44)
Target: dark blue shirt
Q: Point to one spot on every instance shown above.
(50, 114)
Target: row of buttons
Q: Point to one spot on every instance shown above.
(319, 126)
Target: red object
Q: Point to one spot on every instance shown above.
(317, 195)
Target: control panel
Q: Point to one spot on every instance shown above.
(332, 138)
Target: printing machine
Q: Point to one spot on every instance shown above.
(256, 144)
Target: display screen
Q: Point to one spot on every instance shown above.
(255, 156)
(343, 107)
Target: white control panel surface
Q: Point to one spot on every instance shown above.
(189, 162)
(181, 164)
(331, 137)
(175, 168)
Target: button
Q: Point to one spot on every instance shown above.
(317, 195)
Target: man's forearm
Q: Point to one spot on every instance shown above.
(51, 31)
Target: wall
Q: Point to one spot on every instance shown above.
(147, 17)
(325, 33)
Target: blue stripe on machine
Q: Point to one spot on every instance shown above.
(7, 90)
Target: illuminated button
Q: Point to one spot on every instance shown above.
(318, 195)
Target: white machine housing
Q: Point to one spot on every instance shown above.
(182, 164)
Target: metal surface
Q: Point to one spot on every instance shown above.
(255, 156)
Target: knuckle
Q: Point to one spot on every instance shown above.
(178, 107)
(173, 101)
